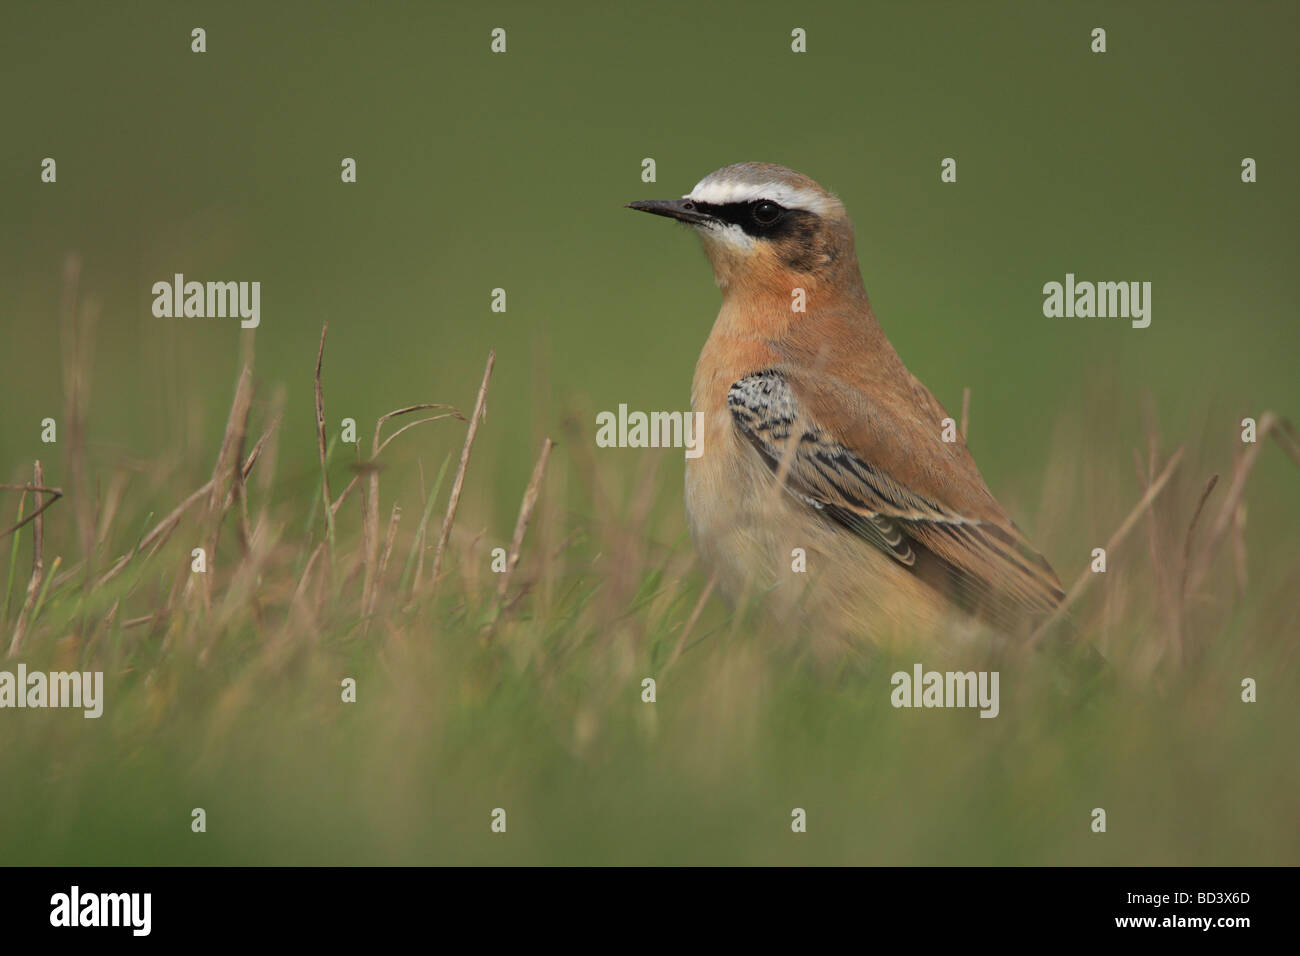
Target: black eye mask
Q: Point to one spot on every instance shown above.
(757, 220)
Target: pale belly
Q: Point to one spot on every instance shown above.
(818, 580)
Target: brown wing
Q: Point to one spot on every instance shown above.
(887, 475)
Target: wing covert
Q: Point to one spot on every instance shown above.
(988, 562)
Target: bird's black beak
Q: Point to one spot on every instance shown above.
(682, 210)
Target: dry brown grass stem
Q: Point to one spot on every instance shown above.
(378, 446)
(228, 474)
(691, 621)
(159, 533)
(343, 495)
(113, 496)
(326, 497)
(301, 590)
(454, 499)
(1239, 547)
(38, 490)
(393, 518)
(525, 513)
(226, 486)
(38, 567)
(370, 522)
(1285, 434)
(1191, 531)
(1085, 577)
(1228, 512)
(965, 411)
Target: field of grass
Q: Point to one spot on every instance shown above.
(478, 690)
(479, 171)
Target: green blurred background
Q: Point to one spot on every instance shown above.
(479, 171)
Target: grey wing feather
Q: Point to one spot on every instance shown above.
(862, 498)
(765, 410)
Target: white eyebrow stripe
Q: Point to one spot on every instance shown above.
(721, 192)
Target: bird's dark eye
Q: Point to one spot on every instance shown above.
(766, 212)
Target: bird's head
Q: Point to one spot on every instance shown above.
(763, 226)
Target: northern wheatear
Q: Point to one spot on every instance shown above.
(897, 529)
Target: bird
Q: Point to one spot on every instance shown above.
(820, 447)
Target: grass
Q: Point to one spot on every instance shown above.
(523, 690)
